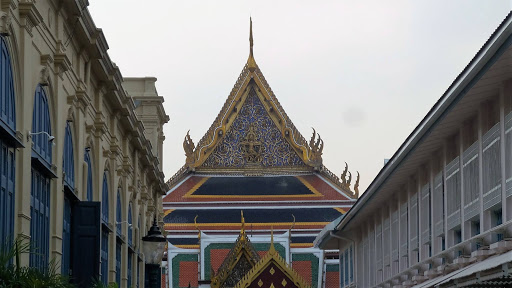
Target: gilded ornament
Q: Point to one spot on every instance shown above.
(251, 147)
(188, 146)
(356, 186)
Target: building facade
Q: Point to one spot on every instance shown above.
(252, 159)
(81, 146)
(439, 214)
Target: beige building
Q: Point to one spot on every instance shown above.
(81, 146)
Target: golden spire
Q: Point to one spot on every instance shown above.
(251, 63)
(272, 249)
(242, 230)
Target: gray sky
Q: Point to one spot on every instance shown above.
(362, 73)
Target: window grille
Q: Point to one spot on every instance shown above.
(425, 214)
(414, 223)
(438, 205)
(404, 229)
(491, 162)
(508, 154)
(453, 193)
(471, 181)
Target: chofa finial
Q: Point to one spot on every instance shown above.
(251, 63)
(251, 41)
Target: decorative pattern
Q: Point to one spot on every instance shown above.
(253, 121)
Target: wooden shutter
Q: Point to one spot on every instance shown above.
(86, 233)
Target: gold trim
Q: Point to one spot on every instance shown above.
(187, 246)
(315, 192)
(341, 210)
(167, 212)
(252, 224)
(193, 189)
(309, 186)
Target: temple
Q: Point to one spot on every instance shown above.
(253, 159)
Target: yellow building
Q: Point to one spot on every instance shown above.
(81, 146)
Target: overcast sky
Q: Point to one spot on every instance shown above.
(362, 73)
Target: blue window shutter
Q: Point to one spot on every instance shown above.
(87, 160)
(39, 223)
(118, 263)
(40, 186)
(41, 123)
(7, 99)
(68, 163)
(119, 216)
(66, 237)
(86, 233)
(104, 199)
(104, 256)
(130, 228)
(129, 259)
(7, 160)
(6, 194)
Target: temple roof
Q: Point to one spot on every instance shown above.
(240, 259)
(253, 158)
(253, 136)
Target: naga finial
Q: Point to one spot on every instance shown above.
(316, 146)
(344, 175)
(188, 146)
(349, 180)
(356, 186)
(197, 227)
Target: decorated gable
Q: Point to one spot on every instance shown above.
(253, 140)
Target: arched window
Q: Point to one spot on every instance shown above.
(68, 168)
(41, 128)
(119, 219)
(104, 230)
(7, 103)
(87, 160)
(41, 174)
(68, 162)
(7, 147)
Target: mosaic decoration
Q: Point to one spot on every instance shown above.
(253, 139)
(307, 265)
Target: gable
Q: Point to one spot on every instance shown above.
(253, 139)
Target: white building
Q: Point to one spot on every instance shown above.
(439, 213)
